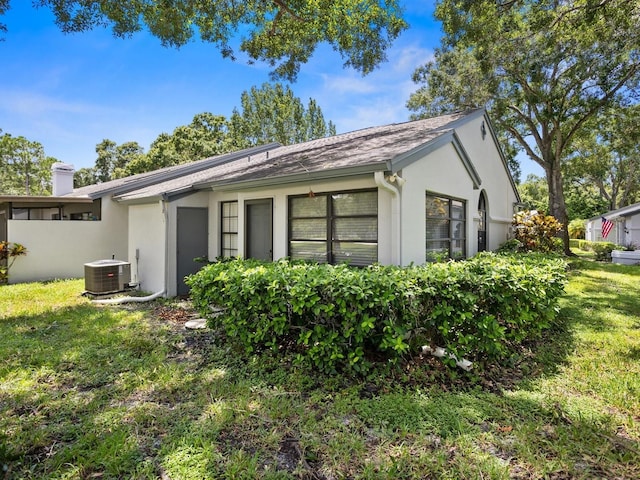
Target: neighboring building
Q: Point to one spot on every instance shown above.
(626, 226)
(397, 194)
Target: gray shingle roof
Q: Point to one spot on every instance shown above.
(365, 150)
(627, 211)
(163, 175)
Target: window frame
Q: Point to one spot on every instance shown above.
(451, 220)
(226, 252)
(329, 221)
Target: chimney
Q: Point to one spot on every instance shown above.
(62, 178)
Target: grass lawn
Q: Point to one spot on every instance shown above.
(92, 391)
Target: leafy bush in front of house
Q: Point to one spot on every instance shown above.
(537, 231)
(8, 253)
(339, 317)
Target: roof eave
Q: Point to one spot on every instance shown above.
(44, 199)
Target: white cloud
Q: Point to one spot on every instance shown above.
(35, 104)
(353, 102)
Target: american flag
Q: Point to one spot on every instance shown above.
(607, 225)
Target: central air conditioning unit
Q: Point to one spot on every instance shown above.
(106, 276)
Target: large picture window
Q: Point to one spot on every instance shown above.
(334, 227)
(446, 228)
(229, 229)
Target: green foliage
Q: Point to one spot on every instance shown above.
(577, 228)
(534, 192)
(24, 167)
(205, 136)
(336, 317)
(272, 113)
(583, 199)
(602, 250)
(546, 69)
(112, 162)
(604, 165)
(90, 391)
(8, 253)
(282, 34)
(536, 232)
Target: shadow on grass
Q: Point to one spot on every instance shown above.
(81, 387)
(92, 392)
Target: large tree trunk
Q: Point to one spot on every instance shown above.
(557, 206)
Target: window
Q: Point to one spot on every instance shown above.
(446, 228)
(47, 211)
(335, 227)
(229, 229)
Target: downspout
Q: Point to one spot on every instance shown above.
(396, 235)
(165, 210)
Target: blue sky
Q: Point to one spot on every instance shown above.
(71, 91)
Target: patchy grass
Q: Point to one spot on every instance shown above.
(93, 391)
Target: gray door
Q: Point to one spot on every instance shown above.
(3, 232)
(192, 242)
(259, 231)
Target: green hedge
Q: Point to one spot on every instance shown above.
(342, 317)
(602, 250)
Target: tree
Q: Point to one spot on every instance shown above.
(113, 159)
(272, 113)
(549, 65)
(454, 81)
(535, 193)
(112, 162)
(606, 160)
(204, 137)
(84, 176)
(24, 167)
(283, 33)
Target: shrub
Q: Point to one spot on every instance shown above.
(338, 317)
(8, 254)
(602, 250)
(536, 231)
(577, 228)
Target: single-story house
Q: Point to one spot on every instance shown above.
(625, 230)
(395, 194)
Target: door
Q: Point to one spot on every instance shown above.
(192, 242)
(3, 232)
(482, 225)
(259, 231)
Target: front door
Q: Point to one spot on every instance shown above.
(192, 242)
(259, 231)
(482, 225)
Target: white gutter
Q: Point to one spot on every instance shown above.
(396, 237)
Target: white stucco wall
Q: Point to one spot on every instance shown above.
(632, 234)
(443, 172)
(147, 240)
(279, 196)
(59, 249)
(501, 198)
